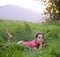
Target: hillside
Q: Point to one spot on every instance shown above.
(13, 12)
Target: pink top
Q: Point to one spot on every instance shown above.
(32, 44)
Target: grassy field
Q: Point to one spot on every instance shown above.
(23, 30)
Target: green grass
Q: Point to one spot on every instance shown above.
(23, 30)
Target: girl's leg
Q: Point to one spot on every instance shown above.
(19, 42)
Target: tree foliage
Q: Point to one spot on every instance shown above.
(52, 8)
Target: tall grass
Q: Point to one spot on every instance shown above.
(24, 30)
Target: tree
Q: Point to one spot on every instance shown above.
(52, 8)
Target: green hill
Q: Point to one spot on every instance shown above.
(24, 30)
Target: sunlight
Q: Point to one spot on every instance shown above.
(31, 4)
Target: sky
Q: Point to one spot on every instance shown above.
(31, 4)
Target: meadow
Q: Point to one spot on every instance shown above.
(26, 30)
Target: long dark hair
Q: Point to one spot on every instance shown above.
(38, 34)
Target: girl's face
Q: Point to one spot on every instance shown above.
(39, 38)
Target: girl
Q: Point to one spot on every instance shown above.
(38, 41)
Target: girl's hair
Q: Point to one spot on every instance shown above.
(38, 34)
